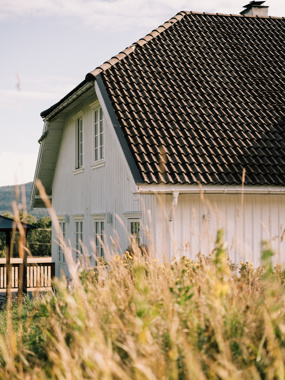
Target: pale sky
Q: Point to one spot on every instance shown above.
(47, 48)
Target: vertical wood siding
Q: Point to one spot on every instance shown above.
(246, 225)
(106, 189)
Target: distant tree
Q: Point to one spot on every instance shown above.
(38, 240)
(2, 244)
(7, 196)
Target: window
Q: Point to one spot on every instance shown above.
(79, 143)
(135, 230)
(133, 219)
(61, 257)
(98, 135)
(78, 238)
(99, 238)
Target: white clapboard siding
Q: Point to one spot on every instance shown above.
(101, 190)
(148, 220)
(247, 222)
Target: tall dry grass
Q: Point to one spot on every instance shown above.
(138, 318)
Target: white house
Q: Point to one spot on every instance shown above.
(154, 142)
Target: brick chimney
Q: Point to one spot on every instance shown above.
(255, 8)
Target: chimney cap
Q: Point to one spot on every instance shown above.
(254, 3)
(255, 8)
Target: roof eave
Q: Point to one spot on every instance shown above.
(69, 98)
(209, 189)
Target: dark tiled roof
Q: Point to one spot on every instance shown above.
(203, 98)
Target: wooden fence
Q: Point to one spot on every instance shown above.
(40, 273)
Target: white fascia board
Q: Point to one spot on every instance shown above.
(69, 100)
(36, 175)
(209, 189)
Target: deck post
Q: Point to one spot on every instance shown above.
(8, 265)
(25, 267)
(52, 275)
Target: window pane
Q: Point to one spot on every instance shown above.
(81, 237)
(79, 144)
(102, 237)
(135, 231)
(96, 236)
(98, 135)
(78, 238)
(99, 238)
(96, 142)
(59, 247)
(63, 235)
(96, 132)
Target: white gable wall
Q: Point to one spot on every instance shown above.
(100, 190)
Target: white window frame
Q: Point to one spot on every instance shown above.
(79, 142)
(79, 234)
(98, 136)
(62, 225)
(136, 237)
(99, 234)
(134, 217)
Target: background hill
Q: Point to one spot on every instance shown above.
(7, 196)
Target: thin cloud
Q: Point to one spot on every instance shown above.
(122, 14)
(16, 167)
(9, 97)
(50, 89)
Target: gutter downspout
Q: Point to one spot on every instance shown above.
(171, 224)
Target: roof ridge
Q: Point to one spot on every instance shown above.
(154, 33)
(232, 15)
(148, 37)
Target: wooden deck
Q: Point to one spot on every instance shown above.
(40, 273)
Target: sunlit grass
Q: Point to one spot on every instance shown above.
(136, 318)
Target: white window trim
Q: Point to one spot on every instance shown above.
(99, 218)
(76, 117)
(101, 162)
(61, 219)
(95, 104)
(134, 216)
(78, 171)
(135, 220)
(98, 164)
(78, 218)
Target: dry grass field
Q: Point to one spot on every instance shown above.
(137, 318)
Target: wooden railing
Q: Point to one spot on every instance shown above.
(40, 273)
